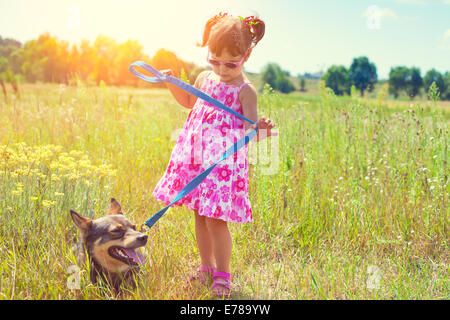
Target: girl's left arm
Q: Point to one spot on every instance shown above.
(249, 101)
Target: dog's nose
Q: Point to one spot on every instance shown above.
(143, 238)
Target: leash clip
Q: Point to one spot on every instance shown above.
(144, 228)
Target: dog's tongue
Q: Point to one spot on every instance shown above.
(138, 258)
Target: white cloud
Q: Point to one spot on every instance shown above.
(388, 13)
(374, 10)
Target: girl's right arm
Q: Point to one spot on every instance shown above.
(184, 98)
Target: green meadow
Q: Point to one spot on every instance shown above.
(351, 203)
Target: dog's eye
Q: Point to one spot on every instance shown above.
(117, 232)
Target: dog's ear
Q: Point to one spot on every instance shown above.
(115, 207)
(83, 223)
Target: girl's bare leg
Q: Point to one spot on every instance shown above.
(204, 241)
(221, 243)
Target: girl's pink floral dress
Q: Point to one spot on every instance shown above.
(207, 133)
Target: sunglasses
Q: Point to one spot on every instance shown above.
(231, 65)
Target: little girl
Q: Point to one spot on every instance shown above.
(207, 133)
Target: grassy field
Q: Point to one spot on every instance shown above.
(356, 207)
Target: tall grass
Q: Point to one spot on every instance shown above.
(357, 208)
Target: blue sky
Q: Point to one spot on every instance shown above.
(301, 36)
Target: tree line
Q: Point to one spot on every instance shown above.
(48, 59)
(281, 80)
(363, 75)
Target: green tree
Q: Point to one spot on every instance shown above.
(164, 59)
(446, 94)
(55, 54)
(269, 74)
(3, 66)
(87, 61)
(283, 83)
(277, 78)
(302, 83)
(107, 50)
(10, 50)
(413, 82)
(397, 80)
(363, 74)
(33, 62)
(338, 79)
(127, 52)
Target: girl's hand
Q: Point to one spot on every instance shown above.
(167, 72)
(267, 126)
(184, 98)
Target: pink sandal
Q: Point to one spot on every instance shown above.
(221, 285)
(202, 275)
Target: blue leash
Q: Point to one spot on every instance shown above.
(159, 78)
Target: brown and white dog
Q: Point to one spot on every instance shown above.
(112, 243)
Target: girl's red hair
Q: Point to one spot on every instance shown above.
(234, 34)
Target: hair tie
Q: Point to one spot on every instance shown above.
(250, 21)
(219, 16)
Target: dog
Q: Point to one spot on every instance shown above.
(112, 243)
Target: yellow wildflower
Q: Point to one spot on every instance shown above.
(48, 203)
(19, 189)
(41, 175)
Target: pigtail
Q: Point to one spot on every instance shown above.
(206, 32)
(257, 32)
(208, 26)
(255, 27)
